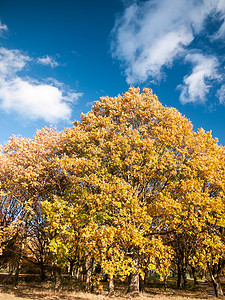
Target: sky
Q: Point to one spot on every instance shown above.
(58, 57)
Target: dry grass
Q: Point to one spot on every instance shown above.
(32, 289)
(88, 296)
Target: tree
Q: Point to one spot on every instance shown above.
(29, 174)
(130, 186)
(123, 161)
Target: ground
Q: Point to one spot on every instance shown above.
(31, 289)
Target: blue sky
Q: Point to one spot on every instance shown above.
(57, 57)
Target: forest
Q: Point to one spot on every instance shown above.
(128, 190)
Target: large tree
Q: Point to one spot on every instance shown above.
(125, 159)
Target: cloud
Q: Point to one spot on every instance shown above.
(151, 35)
(220, 9)
(196, 87)
(34, 101)
(221, 94)
(30, 98)
(47, 60)
(3, 27)
(220, 34)
(11, 61)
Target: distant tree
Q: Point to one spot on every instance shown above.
(29, 173)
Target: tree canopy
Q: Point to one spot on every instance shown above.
(129, 188)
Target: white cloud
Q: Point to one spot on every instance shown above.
(34, 101)
(28, 97)
(161, 54)
(47, 60)
(220, 34)
(220, 9)
(11, 61)
(3, 27)
(195, 87)
(221, 94)
(152, 34)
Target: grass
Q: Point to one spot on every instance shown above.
(30, 288)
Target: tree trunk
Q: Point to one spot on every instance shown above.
(83, 270)
(58, 279)
(111, 285)
(165, 282)
(78, 271)
(16, 277)
(42, 271)
(217, 286)
(71, 268)
(19, 263)
(142, 284)
(88, 266)
(216, 281)
(178, 276)
(194, 275)
(183, 277)
(133, 289)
